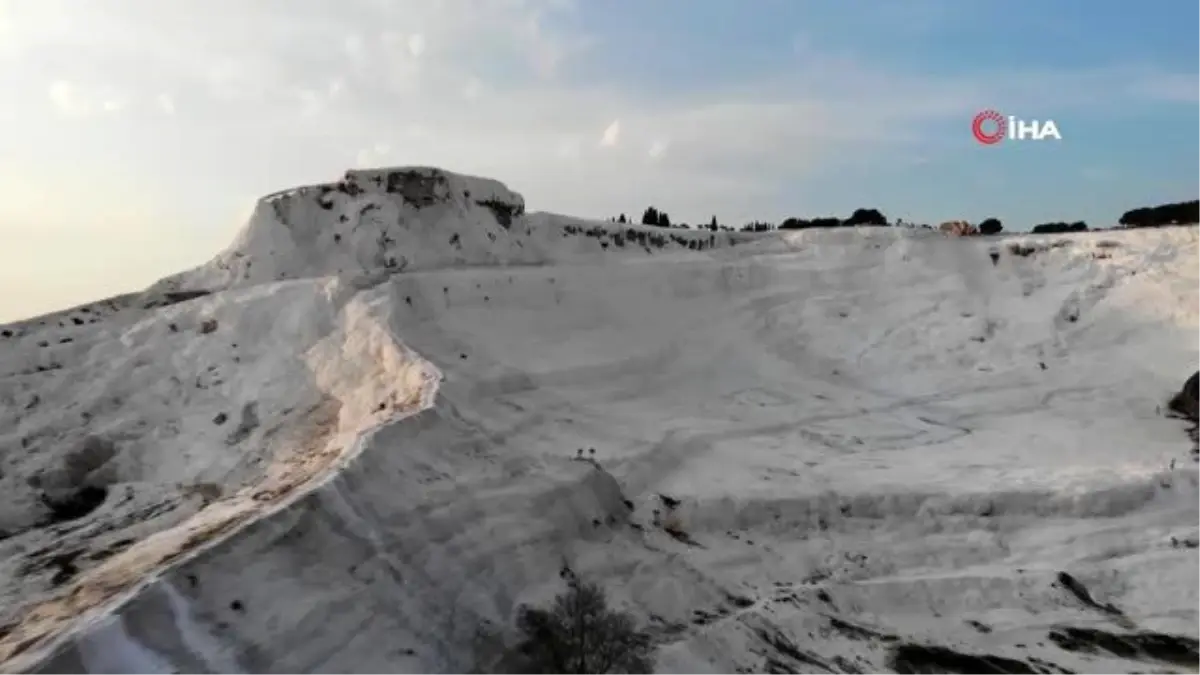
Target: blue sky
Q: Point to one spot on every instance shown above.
(142, 132)
(1119, 151)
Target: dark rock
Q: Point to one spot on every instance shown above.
(913, 658)
(503, 212)
(417, 188)
(1081, 593)
(75, 505)
(1141, 646)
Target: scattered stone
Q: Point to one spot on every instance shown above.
(981, 627)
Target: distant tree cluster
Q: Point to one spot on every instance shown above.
(804, 224)
(860, 217)
(757, 226)
(656, 217)
(1059, 228)
(990, 226)
(1179, 213)
(866, 217)
(653, 216)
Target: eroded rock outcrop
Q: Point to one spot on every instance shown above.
(958, 228)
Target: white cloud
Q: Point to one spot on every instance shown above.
(113, 105)
(611, 135)
(658, 149)
(312, 103)
(416, 45)
(1168, 87)
(355, 48)
(166, 103)
(374, 156)
(7, 34)
(67, 98)
(473, 89)
(569, 148)
(365, 159)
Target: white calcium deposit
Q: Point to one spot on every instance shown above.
(349, 443)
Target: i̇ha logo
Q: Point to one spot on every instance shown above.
(990, 127)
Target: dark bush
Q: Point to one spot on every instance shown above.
(578, 634)
(1059, 227)
(650, 216)
(802, 224)
(663, 219)
(1186, 402)
(1179, 213)
(866, 217)
(990, 226)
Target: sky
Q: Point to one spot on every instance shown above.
(137, 134)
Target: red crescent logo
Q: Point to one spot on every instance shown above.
(985, 137)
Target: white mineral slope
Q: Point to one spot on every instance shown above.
(188, 410)
(876, 439)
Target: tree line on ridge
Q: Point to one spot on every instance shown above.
(1176, 213)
